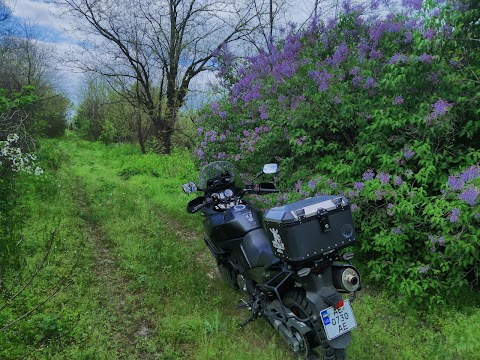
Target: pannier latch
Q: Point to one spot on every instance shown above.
(300, 214)
(323, 218)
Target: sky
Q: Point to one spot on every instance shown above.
(55, 31)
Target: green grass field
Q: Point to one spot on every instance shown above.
(128, 275)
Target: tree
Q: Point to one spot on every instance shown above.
(151, 50)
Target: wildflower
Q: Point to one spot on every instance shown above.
(222, 114)
(200, 130)
(312, 184)
(353, 207)
(409, 172)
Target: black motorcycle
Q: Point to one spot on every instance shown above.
(287, 262)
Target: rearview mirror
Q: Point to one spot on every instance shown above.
(270, 168)
(189, 188)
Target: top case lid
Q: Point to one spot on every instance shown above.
(305, 208)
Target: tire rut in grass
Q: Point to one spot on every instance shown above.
(119, 303)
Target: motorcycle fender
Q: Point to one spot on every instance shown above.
(322, 294)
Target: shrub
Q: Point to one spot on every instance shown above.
(383, 110)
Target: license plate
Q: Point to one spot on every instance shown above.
(338, 321)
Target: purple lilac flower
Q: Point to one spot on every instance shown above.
(441, 107)
(469, 196)
(356, 80)
(429, 34)
(434, 78)
(214, 106)
(353, 207)
(423, 269)
(246, 133)
(454, 215)
(301, 140)
(312, 184)
(408, 154)
(425, 58)
(436, 12)
(359, 185)
(395, 27)
(368, 175)
(398, 58)
(408, 37)
(340, 55)
(263, 112)
(414, 4)
(354, 71)
(455, 183)
(389, 209)
(441, 241)
(298, 185)
(384, 178)
(370, 83)
(332, 184)
(379, 194)
(321, 78)
(222, 114)
(200, 130)
(200, 153)
(396, 231)
(398, 100)
(337, 100)
(473, 172)
(363, 48)
(375, 54)
(398, 181)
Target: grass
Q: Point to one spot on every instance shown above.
(141, 284)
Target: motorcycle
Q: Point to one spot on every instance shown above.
(287, 262)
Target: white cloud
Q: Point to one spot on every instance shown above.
(40, 13)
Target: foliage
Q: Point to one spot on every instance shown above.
(144, 285)
(384, 110)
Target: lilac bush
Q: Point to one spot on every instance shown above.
(365, 106)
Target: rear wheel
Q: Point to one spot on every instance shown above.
(297, 302)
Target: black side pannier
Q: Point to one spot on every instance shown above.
(308, 229)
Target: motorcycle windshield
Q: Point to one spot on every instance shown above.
(221, 171)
